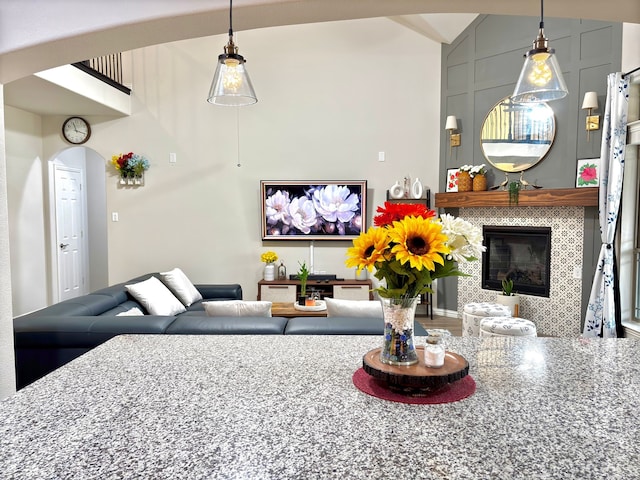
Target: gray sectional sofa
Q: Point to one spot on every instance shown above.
(55, 335)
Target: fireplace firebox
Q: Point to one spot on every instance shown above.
(522, 254)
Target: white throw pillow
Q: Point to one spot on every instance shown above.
(353, 308)
(132, 312)
(153, 295)
(237, 308)
(181, 286)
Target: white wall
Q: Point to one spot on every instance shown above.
(331, 96)
(25, 193)
(7, 368)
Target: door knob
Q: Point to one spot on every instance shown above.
(64, 245)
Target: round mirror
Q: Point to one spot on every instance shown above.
(516, 136)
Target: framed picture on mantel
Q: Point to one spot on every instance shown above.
(588, 173)
(452, 179)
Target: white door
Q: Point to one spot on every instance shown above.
(70, 220)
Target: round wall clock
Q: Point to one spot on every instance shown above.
(76, 130)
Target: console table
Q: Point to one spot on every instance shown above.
(287, 291)
(285, 407)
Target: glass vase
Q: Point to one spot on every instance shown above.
(398, 346)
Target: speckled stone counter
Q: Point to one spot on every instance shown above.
(284, 407)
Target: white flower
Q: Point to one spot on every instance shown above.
(466, 168)
(465, 240)
(334, 202)
(477, 169)
(302, 213)
(277, 208)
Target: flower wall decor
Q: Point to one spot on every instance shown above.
(588, 173)
(331, 210)
(131, 168)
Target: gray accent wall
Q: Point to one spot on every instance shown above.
(482, 66)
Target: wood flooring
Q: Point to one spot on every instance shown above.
(454, 325)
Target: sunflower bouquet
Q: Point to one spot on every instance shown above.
(409, 248)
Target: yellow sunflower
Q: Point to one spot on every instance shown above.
(418, 241)
(368, 249)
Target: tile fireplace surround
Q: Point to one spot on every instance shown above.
(560, 314)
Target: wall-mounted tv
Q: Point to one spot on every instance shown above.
(313, 210)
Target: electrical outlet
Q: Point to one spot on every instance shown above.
(381, 156)
(577, 272)
(114, 217)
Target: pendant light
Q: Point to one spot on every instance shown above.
(540, 79)
(231, 85)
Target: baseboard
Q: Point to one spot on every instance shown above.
(446, 313)
(631, 332)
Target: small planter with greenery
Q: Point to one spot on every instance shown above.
(508, 297)
(303, 275)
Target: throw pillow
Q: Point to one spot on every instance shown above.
(181, 286)
(132, 312)
(238, 308)
(353, 308)
(153, 295)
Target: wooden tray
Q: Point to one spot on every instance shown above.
(418, 378)
(318, 307)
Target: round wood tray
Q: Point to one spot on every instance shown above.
(318, 307)
(418, 378)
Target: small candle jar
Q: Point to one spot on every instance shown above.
(434, 351)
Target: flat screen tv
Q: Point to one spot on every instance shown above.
(313, 210)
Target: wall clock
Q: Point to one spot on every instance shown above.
(76, 130)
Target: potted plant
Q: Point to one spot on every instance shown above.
(508, 297)
(479, 177)
(303, 275)
(465, 182)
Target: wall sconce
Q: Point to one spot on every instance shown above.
(452, 125)
(590, 103)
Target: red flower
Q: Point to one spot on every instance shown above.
(588, 174)
(397, 211)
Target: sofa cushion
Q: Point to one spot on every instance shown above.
(237, 308)
(132, 312)
(84, 305)
(340, 326)
(353, 308)
(181, 286)
(229, 291)
(155, 297)
(123, 307)
(200, 325)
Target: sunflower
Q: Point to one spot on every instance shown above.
(418, 241)
(368, 249)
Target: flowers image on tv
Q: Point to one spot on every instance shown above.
(313, 210)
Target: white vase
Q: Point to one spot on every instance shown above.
(270, 272)
(396, 190)
(513, 302)
(416, 189)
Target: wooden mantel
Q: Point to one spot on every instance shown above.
(543, 197)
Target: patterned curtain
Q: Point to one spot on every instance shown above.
(603, 311)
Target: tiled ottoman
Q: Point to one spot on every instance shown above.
(474, 313)
(507, 327)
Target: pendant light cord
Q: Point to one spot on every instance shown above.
(231, 18)
(541, 14)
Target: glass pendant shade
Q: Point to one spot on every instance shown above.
(231, 85)
(540, 79)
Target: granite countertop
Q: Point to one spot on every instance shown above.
(285, 407)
